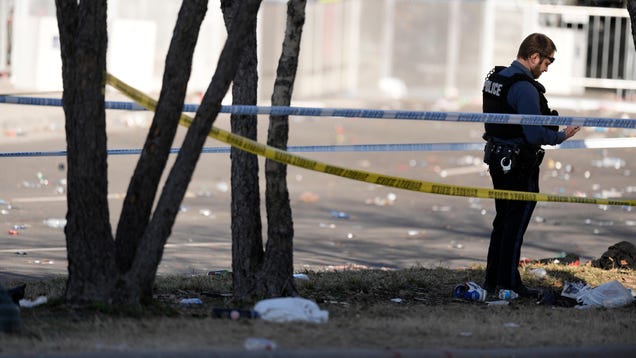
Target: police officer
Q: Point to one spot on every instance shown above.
(513, 153)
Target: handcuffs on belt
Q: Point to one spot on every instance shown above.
(506, 155)
(509, 156)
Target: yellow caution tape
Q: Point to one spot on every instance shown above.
(278, 155)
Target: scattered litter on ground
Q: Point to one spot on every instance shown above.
(218, 272)
(301, 276)
(259, 344)
(290, 309)
(309, 197)
(608, 295)
(442, 208)
(507, 295)
(43, 262)
(339, 214)
(26, 303)
(207, 213)
(55, 223)
(619, 255)
(382, 201)
(498, 303)
(469, 291)
(190, 301)
(328, 226)
(563, 258)
(222, 187)
(539, 272)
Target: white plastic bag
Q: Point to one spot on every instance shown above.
(32, 303)
(289, 309)
(609, 295)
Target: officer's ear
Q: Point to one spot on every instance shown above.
(535, 58)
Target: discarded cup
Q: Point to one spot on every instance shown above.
(470, 291)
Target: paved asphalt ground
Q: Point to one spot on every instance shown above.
(382, 227)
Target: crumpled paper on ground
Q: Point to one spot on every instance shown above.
(290, 309)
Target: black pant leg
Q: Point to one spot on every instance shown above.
(509, 226)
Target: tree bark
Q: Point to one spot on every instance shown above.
(137, 283)
(277, 273)
(142, 189)
(247, 242)
(89, 239)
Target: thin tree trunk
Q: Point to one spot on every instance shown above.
(142, 189)
(136, 285)
(89, 239)
(277, 273)
(247, 241)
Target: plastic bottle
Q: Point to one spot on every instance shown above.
(191, 301)
(218, 273)
(507, 294)
(339, 214)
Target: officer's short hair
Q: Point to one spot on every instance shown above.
(536, 43)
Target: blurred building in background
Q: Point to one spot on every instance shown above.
(397, 49)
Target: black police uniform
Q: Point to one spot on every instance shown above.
(513, 165)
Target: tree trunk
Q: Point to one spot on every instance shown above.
(143, 186)
(94, 275)
(136, 284)
(277, 273)
(247, 242)
(89, 239)
(631, 8)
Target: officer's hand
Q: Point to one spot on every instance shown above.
(570, 131)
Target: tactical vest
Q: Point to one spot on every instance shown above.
(495, 94)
